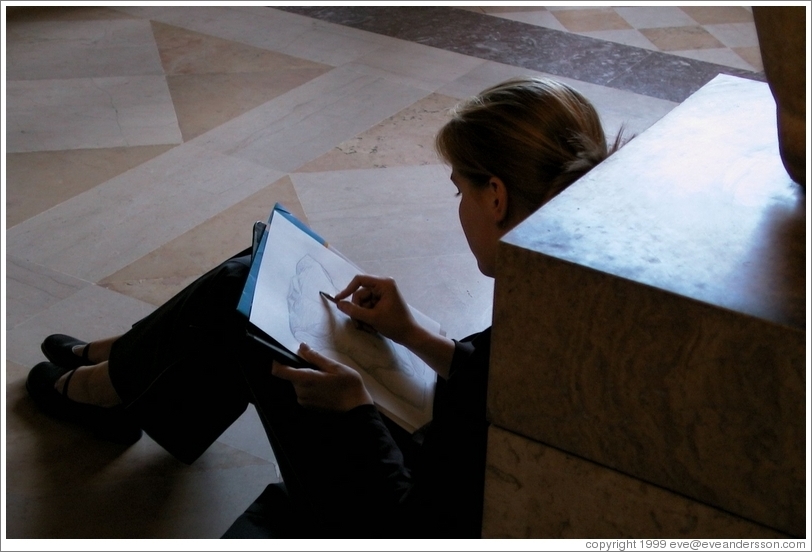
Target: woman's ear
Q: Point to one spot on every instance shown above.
(498, 200)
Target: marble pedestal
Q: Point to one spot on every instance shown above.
(648, 372)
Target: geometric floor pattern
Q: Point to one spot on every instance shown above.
(141, 143)
(718, 34)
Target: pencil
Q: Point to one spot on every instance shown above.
(363, 326)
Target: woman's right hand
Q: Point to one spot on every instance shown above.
(378, 303)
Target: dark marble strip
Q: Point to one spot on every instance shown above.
(629, 68)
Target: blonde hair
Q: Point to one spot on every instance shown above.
(536, 135)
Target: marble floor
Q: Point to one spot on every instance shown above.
(143, 142)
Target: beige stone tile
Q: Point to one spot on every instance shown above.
(721, 56)
(213, 80)
(258, 26)
(15, 392)
(303, 124)
(189, 513)
(90, 313)
(139, 491)
(37, 181)
(80, 113)
(539, 18)
(511, 9)
(203, 102)
(735, 35)
(80, 49)
(159, 275)
(248, 435)
(31, 288)
(406, 138)
(752, 55)
(188, 52)
(101, 231)
(630, 37)
(646, 17)
(712, 15)
(591, 19)
(681, 38)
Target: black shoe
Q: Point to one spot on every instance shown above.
(110, 423)
(58, 349)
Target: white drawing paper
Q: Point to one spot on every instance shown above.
(287, 306)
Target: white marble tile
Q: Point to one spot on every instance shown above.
(616, 107)
(270, 29)
(635, 112)
(332, 44)
(100, 231)
(308, 121)
(538, 18)
(147, 12)
(152, 495)
(189, 512)
(32, 288)
(446, 288)
(103, 112)
(650, 17)
(629, 37)
(734, 35)
(74, 49)
(247, 434)
(722, 56)
(258, 26)
(382, 214)
(90, 313)
(419, 65)
(484, 76)
(315, 40)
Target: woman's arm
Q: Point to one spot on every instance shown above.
(434, 349)
(332, 386)
(377, 302)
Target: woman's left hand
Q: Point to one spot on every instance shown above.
(333, 386)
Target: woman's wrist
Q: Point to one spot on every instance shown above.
(434, 349)
(415, 338)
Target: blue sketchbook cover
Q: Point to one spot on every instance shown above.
(247, 297)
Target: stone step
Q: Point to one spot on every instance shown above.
(651, 319)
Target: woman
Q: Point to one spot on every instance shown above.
(187, 371)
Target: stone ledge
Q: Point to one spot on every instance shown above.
(563, 497)
(652, 317)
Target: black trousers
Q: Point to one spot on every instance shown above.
(187, 371)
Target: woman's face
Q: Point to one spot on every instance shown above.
(478, 224)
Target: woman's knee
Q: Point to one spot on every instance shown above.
(230, 276)
(237, 267)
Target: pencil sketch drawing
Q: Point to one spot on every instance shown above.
(318, 323)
